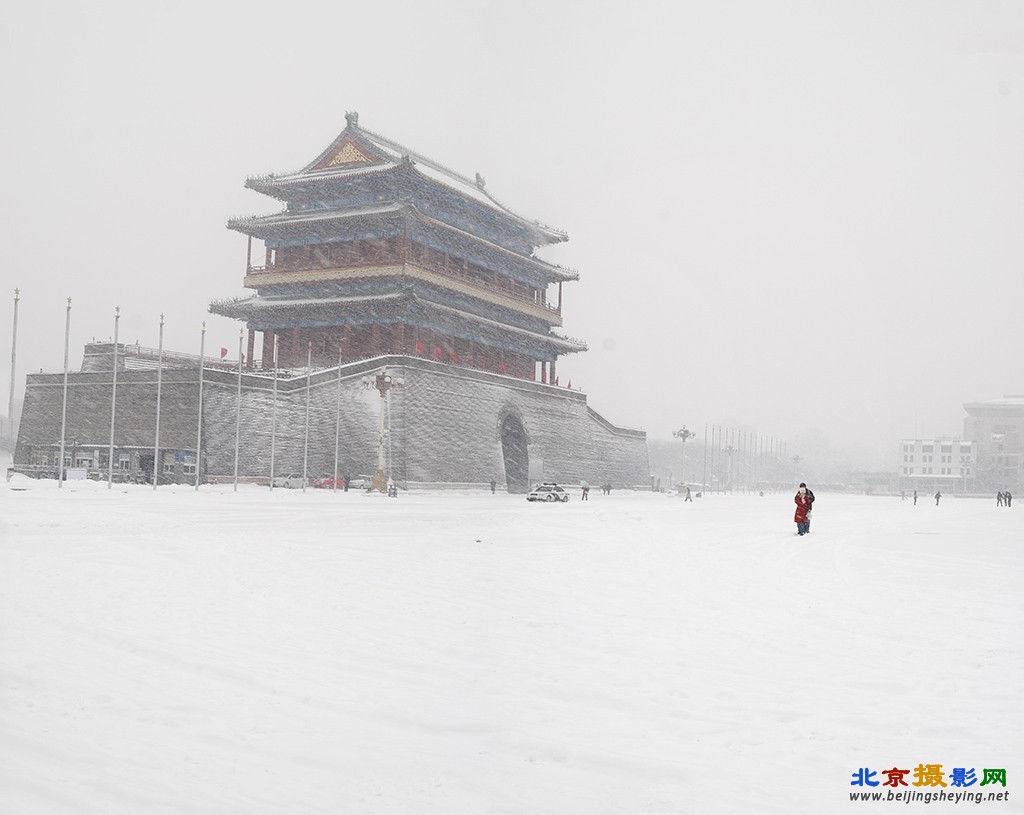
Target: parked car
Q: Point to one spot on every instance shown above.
(548, 492)
(294, 481)
(327, 483)
(361, 482)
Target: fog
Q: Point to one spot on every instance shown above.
(798, 219)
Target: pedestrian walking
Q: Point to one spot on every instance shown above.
(586, 490)
(803, 506)
(810, 506)
(938, 495)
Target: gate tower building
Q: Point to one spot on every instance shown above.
(380, 259)
(381, 251)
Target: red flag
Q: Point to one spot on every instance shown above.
(569, 386)
(223, 352)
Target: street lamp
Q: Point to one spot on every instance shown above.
(683, 435)
(382, 382)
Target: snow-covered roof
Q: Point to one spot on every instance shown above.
(254, 223)
(357, 151)
(237, 306)
(293, 216)
(1009, 401)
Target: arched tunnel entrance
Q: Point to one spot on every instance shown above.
(515, 455)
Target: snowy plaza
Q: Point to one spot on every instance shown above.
(173, 651)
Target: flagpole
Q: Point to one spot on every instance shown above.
(113, 401)
(238, 405)
(159, 383)
(64, 404)
(704, 480)
(14, 358)
(337, 426)
(273, 418)
(199, 431)
(305, 443)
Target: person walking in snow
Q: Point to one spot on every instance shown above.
(915, 498)
(938, 495)
(586, 490)
(1007, 498)
(999, 498)
(810, 506)
(688, 496)
(803, 506)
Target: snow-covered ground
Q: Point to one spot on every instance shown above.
(218, 652)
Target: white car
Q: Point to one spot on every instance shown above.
(548, 492)
(294, 481)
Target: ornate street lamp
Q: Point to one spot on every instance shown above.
(683, 435)
(382, 382)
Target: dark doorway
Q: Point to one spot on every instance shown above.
(146, 468)
(514, 452)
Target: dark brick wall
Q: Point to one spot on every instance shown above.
(445, 423)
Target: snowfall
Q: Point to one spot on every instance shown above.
(256, 651)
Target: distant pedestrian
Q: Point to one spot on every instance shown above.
(688, 496)
(345, 480)
(494, 486)
(915, 498)
(938, 495)
(803, 506)
(586, 490)
(1008, 498)
(999, 498)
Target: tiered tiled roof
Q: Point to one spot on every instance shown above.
(357, 151)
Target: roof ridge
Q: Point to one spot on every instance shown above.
(400, 148)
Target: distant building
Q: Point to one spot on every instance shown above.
(996, 428)
(937, 464)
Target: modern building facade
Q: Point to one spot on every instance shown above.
(996, 428)
(928, 465)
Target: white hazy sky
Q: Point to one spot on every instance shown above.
(799, 218)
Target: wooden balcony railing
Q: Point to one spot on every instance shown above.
(448, 271)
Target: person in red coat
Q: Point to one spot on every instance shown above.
(803, 506)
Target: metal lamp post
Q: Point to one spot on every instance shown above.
(64, 401)
(382, 383)
(683, 435)
(113, 400)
